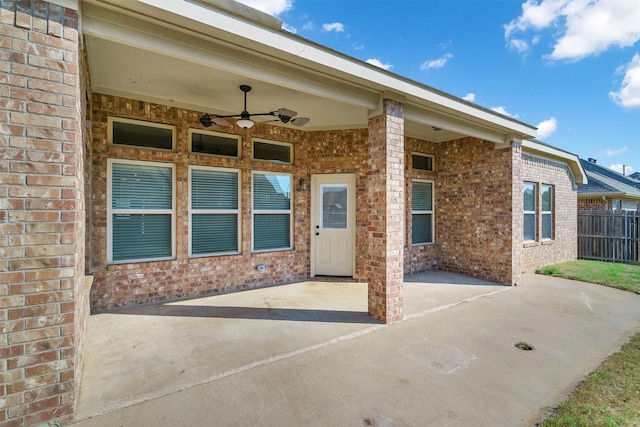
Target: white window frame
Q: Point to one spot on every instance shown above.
(549, 213)
(111, 211)
(212, 133)
(433, 163)
(255, 212)
(214, 212)
(533, 212)
(112, 119)
(425, 212)
(269, 141)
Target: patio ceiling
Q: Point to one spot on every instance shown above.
(195, 56)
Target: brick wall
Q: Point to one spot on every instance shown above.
(466, 171)
(385, 225)
(474, 209)
(41, 213)
(564, 245)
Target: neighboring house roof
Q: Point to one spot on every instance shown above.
(543, 149)
(606, 182)
(636, 176)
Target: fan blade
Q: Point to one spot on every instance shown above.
(220, 121)
(300, 121)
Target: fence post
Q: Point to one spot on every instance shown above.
(627, 241)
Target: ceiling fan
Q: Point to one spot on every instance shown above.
(282, 115)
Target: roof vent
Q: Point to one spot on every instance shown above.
(592, 160)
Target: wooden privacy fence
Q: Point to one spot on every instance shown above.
(609, 235)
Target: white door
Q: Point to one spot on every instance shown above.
(333, 225)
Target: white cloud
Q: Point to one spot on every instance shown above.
(519, 45)
(610, 152)
(308, 26)
(546, 128)
(272, 7)
(436, 63)
(503, 111)
(358, 46)
(628, 95)
(335, 26)
(289, 28)
(378, 63)
(620, 168)
(582, 27)
(471, 97)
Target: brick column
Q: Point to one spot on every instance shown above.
(386, 216)
(517, 213)
(41, 213)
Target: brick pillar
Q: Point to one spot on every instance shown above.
(517, 210)
(386, 216)
(41, 213)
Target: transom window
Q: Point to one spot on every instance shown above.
(421, 212)
(423, 162)
(272, 219)
(280, 152)
(215, 143)
(214, 211)
(141, 211)
(141, 134)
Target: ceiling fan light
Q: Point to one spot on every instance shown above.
(245, 123)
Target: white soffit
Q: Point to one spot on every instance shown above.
(246, 41)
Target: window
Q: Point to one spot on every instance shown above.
(272, 151)
(140, 134)
(546, 211)
(214, 143)
(422, 162)
(214, 211)
(141, 211)
(271, 211)
(421, 212)
(530, 198)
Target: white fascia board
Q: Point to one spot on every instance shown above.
(338, 66)
(570, 159)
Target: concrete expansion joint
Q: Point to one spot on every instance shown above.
(447, 306)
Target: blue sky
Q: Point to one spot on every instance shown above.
(569, 67)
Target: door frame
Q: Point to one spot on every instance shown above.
(350, 180)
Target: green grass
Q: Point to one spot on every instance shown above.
(610, 396)
(615, 275)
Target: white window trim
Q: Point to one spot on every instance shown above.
(272, 142)
(423, 212)
(550, 213)
(433, 163)
(271, 211)
(533, 212)
(220, 134)
(216, 211)
(111, 211)
(111, 119)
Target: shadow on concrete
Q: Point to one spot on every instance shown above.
(255, 313)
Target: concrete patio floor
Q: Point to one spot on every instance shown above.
(308, 354)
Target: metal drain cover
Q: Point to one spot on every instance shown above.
(523, 346)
